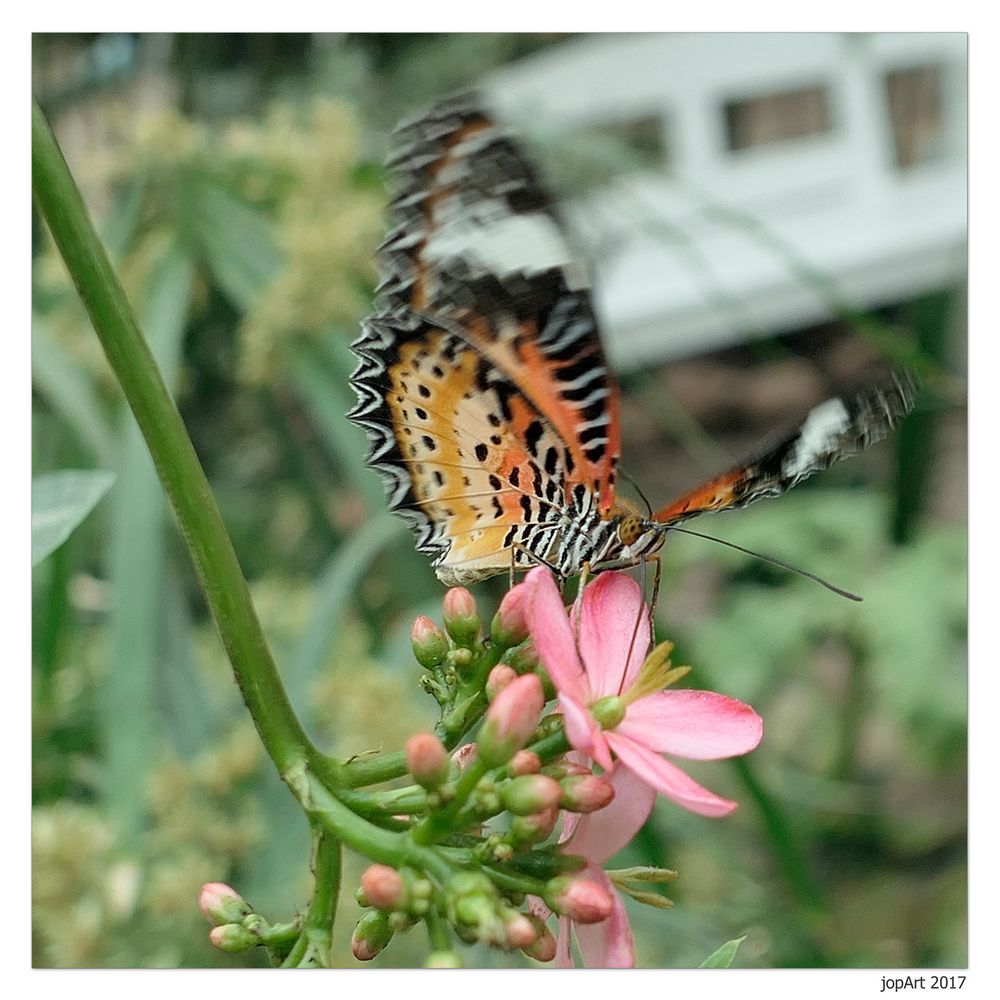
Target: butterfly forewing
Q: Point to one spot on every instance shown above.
(482, 384)
(833, 430)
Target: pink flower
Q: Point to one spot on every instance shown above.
(613, 701)
(596, 837)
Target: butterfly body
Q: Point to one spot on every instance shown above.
(491, 412)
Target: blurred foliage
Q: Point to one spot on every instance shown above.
(243, 226)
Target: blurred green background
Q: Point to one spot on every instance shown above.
(236, 181)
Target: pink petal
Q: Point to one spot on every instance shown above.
(599, 835)
(564, 956)
(667, 778)
(553, 634)
(612, 619)
(700, 725)
(607, 945)
(583, 733)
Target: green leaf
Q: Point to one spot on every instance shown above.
(238, 243)
(70, 392)
(324, 390)
(137, 621)
(335, 590)
(59, 502)
(723, 956)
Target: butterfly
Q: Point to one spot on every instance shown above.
(491, 412)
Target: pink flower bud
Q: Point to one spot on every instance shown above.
(521, 932)
(579, 899)
(371, 935)
(584, 793)
(500, 677)
(461, 619)
(511, 720)
(524, 762)
(232, 937)
(531, 829)
(427, 760)
(383, 887)
(531, 793)
(430, 645)
(544, 947)
(222, 904)
(509, 624)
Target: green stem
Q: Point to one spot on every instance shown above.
(374, 770)
(437, 931)
(386, 846)
(512, 881)
(178, 467)
(313, 946)
(551, 746)
(793, 865)
(440, 823)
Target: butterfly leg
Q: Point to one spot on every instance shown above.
(530, 557)
(652, 611)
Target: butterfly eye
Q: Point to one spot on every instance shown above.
(629, 530)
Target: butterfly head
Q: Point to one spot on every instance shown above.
(630, 540)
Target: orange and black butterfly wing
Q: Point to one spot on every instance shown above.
(482, 383)
(833, 430)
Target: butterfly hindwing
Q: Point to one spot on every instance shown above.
(466, 459)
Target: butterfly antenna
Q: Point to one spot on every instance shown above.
(774, 561)
(638, 489)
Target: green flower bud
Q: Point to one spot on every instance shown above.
(430, 645)
(531, 793)
(371, 935)
(232, 937)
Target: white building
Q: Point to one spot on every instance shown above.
(789, 178)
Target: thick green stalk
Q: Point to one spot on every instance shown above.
(176, 462)
(313, 946)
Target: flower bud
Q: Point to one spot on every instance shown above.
(584, 793)
(222, 904)
(427, 760)
(371, 935)
(521, 931)
(443, 960)
(543, 949)
(524, 659)
(461, 619)
(511, 720)
(383, 887)
(473, 905)
(580, 899)
(430, 645)
(531, 793)
(524, 762)
(562, 768)
(509, 623)
(500, 677)
(232, 937)
(525, 830)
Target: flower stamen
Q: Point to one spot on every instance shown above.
(655, 674)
